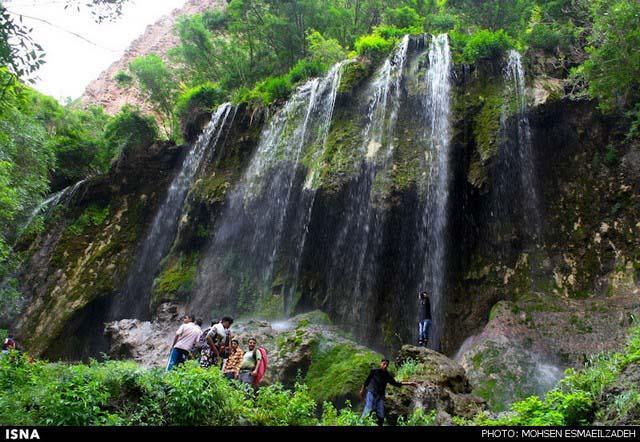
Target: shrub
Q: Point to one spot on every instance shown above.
(276, 88)
(325, 50)
(197, 396)
(403, 17)
(373, 46)
(486, 45)
(197, 100)
(439, 23)
(305, 69)
(130, 131)
(276, 406)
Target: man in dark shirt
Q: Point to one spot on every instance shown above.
(424, 324)
(376, 385)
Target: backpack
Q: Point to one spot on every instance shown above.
(263, 365)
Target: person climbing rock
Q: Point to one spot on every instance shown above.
(232, 367)
(218, 340)
(424, 318)
(250, 362)
(183, 342)
(376, 386)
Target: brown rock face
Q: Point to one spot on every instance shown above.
(158, 38)
(441, 385)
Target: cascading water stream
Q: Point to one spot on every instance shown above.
(301, 229)
(354, 259)
(48, 204)
(134, 301)
(434, 221)
(247, 244)
(516, 87)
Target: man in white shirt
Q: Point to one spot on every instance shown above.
(183, 342)
(219, 338)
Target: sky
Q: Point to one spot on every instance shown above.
(72, 63)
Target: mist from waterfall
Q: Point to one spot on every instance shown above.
(133, 302)
(268, 207)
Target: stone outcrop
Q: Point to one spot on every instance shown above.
(442, 386)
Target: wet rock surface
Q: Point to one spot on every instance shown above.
(442, 385)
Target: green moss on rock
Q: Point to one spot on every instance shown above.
(339, 371)
(176, 280)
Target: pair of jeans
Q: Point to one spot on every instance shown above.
(177, 357)
(374, 403)
(423, 330)
(246, 377)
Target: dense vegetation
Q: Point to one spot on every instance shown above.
(257, 51)
(121, 393)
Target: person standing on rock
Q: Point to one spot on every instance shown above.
(375, 387)
(424, 318)
(183, 342)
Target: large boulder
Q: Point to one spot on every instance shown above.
(442, 385)
(304, 348)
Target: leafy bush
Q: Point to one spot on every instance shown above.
(130, 131)
(197, 100)
(418, 419)
(276, 406)
(326, 51)
(197, 396)
(373, 46)
(403, 17)
(305, 69)
(442, 22)
(486, 45)
(346, 417)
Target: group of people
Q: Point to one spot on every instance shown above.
(216, 346)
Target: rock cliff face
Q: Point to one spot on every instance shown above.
(347, 202)
(158, 38)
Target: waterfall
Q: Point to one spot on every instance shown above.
(269, 206)
(516, 87)
(355, 250)
(433, 224)
(134, 301)
(48, 204)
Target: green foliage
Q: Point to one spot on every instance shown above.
(276, 406)
(339, 372)
(418, 419)
(373, 46)
(201, 397)
(203, 98)
(573, 401)
(326, 51)
(130, 131)
(305, 69)
(156, 83)
(408, 370)
(93, 215)
(486, 45)
(613, 68)
(176, 280)
(346, 417)
(403, 17)
(123, 79)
